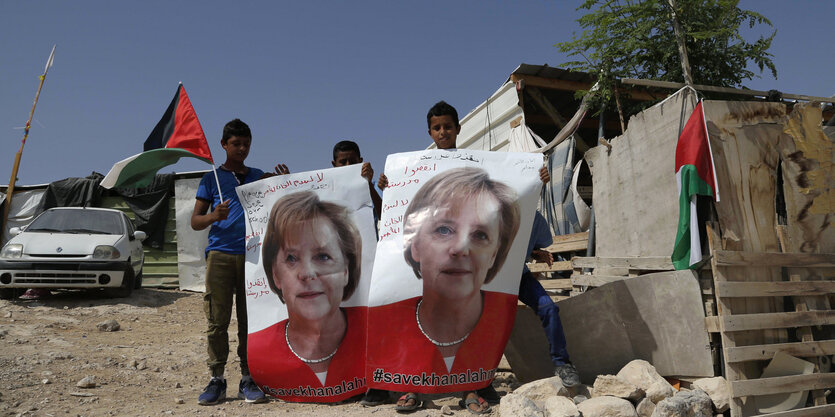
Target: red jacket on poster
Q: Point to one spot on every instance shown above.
(281, 374)
(401, 358)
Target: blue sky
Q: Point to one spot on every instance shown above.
(302, 74)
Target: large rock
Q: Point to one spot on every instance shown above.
(616, 387)
(541, 390)
(644, 376)
(660, 390)
(645, 408)
(695, 403)
(518, 405)
(87, 382)
(108, 326)
(561, 407)
(719, 391)
(607, 407)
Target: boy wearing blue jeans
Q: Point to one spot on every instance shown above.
(225, 257)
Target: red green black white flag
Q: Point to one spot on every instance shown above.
(178, 134)
(695, 175)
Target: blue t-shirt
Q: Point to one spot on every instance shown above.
(228, 235)
(540, 235)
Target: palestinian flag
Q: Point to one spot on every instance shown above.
(695, 175)
(178, 134)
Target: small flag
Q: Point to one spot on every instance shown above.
(178, 134)
(695, 175)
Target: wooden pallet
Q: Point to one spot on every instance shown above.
(570, 244)
(731, 285)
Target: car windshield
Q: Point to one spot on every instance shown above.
(78, 221)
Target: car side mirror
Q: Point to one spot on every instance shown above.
(140, 235)
(14, 231)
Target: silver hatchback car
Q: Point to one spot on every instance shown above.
(73, 247)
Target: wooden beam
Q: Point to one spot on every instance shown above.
(766, 352)
(555, 115)
(566, 85)
(712, 324)
(727, 90)
(555, 267)
(818, 411)
(808, 260)
(782, 384)
(649, 263)
(761, 321)
(774, 289)
(556, 284)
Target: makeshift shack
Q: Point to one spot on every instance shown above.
(765, 281)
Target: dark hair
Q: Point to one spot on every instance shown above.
(450, 188)
(235, 128)
(301, 206)
(346, 146)
(442, 108)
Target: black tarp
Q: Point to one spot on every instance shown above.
(150, 206)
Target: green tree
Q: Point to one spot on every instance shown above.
(635, 39)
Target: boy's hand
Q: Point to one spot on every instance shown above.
(383, 182)
(281, 169)
(367, 171)
(540, 255)
(544, 176)
(221, 212)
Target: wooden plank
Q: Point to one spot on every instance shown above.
(594, 280)
(766, 352)
(738, 258)
(773, 289)
(761, 321)
(782, 384)
(712, 324)
(556, 284)
(649, 263)
(555, 267)
(819, 411)
(745, 92)
(566, 85)
(567, 247)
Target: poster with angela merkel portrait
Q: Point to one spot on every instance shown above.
(310, 248)
(454, 230)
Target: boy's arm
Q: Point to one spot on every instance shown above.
(383, 182)
(201, 220)
(368, 174)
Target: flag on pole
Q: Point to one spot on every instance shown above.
(178, 134)
(695, 175)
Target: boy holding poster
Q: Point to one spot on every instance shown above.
(225, 260)
(444, 127)
(346, 153)
(310, 240)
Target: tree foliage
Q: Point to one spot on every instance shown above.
(635, 39)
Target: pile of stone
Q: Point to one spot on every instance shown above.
(636, 391)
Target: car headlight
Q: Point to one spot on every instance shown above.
(106, 252)
(12, 251)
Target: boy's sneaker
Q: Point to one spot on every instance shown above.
(250, 392)
(568, 374)
(214, 393)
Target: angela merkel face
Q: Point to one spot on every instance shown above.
(311, 271)
(456, 245)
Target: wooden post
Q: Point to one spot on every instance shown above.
(16, 166)
(682, 50)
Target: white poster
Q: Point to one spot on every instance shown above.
(453, 235)
(310, 244)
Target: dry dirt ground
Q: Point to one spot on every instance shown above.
(154, 365)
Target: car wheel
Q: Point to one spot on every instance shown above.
(11, 293)
(137, 281)
(126, 288)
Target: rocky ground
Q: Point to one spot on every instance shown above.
(153, 365)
